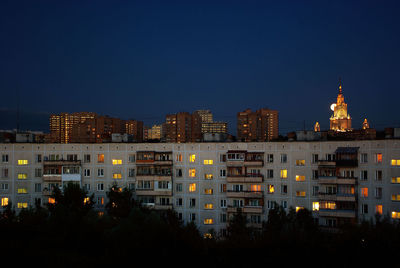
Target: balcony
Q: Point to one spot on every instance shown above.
(52, 178)
(61, 162)
(337, 197)
(326, 163)
(347, 162)
(337, 180)
(337, 213)
(153, 192)
(154, 162)
(254, 163)
(244, 194)
(246, 209)
(163, 207)
(235, 163)
(251, 178)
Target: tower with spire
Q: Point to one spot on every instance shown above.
(340, 119)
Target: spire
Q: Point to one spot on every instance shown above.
(340, 85)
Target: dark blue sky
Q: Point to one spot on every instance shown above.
(144, 59)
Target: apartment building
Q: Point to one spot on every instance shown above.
(339, 181)
(261, 125)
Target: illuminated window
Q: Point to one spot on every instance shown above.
(100, 158)
(255, 188)
(300, 193)
(192, 187)
(208, 191)
(207, 235)
(208, 221)
(192, 172)
(179, 158)
(208, 162)
(300, 178)
(271, 188)
(192, 158)
(283, 173)
(117, 176)
(378, 158)
(298, 208)
(22, 205)
(22, 190)
(86, 200)
(395, 179)
(117, 161)
(208, 206)
(364, 192)
(315, 206)
(395, 215)
(300, 162)
(327, 205)
(208, 176)
(395, 197)
(22, 162)
(22, 176)
(394, 162)
(4, 201)
(52, 200)
(379, 209)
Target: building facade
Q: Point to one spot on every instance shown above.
(262, 125)
(339, 181)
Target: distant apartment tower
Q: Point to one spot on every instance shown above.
(205, 115)
(214, 127)
(178, 127)
(155, 132)
(135, 128)
(262, 125)
(61, 125)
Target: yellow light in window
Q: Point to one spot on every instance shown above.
(315, 206)
(192, 187)
(22, 162)
(395, 215)
(4, 201)
(117, 176)
(100, 158)
(283, 173)
(255, 188)
(209, 206)
(298, 208)
(207, 235)
(300, 178)
(192, 158)
(86, 200)
(22, 176)
(300, 162)
(117, 161)
(192, 172)
(22, 190)
(208, 176)
(379, 158)
(271, 189)
(22, 205)
(208, 221)
(395, 179)
(301, 193)
(52, 200)
(364, 192)
(395, 162)
(379, 209)
(208, 191)
(208, 162)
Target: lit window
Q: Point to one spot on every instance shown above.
(298, 208)
(208, 176)
(179, 158)
(117, 161)
(22, 176)
(22, 205)
(52, 200)
(117, 176)
(378, 158)
(208, 191)
(283, 173)
(395, 197)
(395, 179)
(327, 205)
(315, 206)
(192, 172)
(86, 200)
(22, 162)
(271, 188)
(300, 162)
(395, 215)
(192, 187)
(255, 188)
(300, 178)
(364, 192)
(208, 162)
(192, 158)
(208, 221)
(208, 206)
(22, 190)
(208, 235)
(379, 209)
(100, 158)
(394, 162)
(4, 201)
(300, 193)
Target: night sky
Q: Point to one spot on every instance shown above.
(144, 59)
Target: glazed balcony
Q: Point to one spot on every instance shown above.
(337, 213)
(337, 180)
(62, 162)
(153, 192)
(337, 197)
(244, 194)
(246, 209)
(250, 178)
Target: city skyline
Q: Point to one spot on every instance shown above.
(146, 60)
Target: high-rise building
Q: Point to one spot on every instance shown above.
(183, 127)
(214, 127)
(135, 128)
(340, 120)
(262, 125)
(155, 132)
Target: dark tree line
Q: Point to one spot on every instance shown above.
(69, 232)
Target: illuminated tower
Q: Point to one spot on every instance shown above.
(340, 120)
